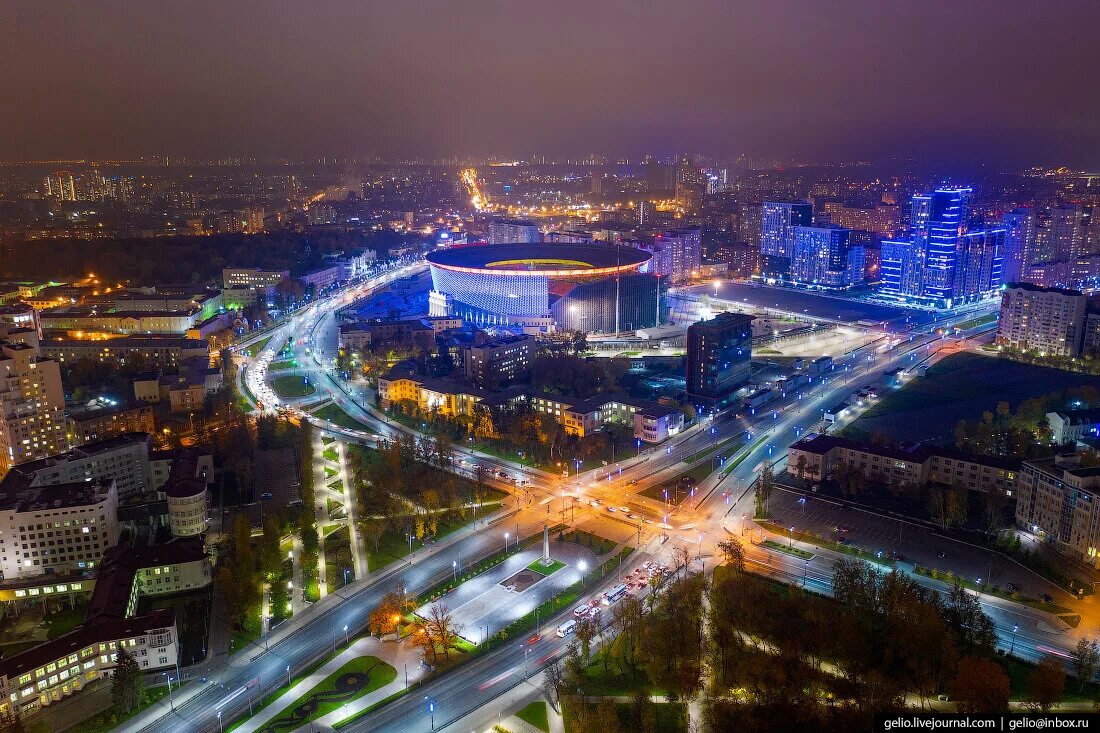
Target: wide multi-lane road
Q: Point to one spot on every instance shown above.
(698, 524)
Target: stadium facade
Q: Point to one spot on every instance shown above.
(573, 286)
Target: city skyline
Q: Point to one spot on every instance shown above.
(423, 80)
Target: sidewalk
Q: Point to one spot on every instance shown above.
(396, 654)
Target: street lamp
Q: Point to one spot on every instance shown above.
(171, 702)
(454, 569)
(506, 536)
(288, 675)
(1015, 628)
(346, 640)
(583, 567)
(431, 711)
(221, 726)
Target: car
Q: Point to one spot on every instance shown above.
(633, 516)
(1012, 587)
(580, 610)
(593, 503)
(611, 509)
(624, 509)
(632, 481)
(266, 496)
(1047, 598)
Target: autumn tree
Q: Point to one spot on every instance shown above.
(980, 687)
(733, 553)
(587, 630)
(1046, 684)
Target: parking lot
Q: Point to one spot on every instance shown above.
(915, 544)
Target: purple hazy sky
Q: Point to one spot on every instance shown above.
(996, 80)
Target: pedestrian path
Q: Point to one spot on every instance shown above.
(401, 656)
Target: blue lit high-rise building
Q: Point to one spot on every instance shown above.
(777, 218)
(1020, 230)
(824, 256)
(943, 261)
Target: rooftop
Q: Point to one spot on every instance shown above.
(19, 497)
(551, 260)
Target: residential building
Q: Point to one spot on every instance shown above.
(677, 253)
(159, 351)
(90, 319)
(102, 418)
(1059, 502)
(1047, 320)
(742, 259)
(61, 667)
(410, 334)
(499, 361)
(879, 218)
(512, 231)
(577, 416)
(57, 528)
(819, 456)
(1019, 255)
(126, 459)
(718, 357)
(252, 277)
(187, 496)
(943, 261)
(1067, 427)
(824, 256)
(32, 402)
(776, 237)
(49, 672)
(402, 383)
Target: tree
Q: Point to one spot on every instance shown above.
(800, 467)
(442, 627)
(552, 682)
(586, 631)
(385, 618)
(947, 506)
(1085, 657)
(981, 686)
(127, 684)
(765, 483)
(733, 553)
(1046, 684)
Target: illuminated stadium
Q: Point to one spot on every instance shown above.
(571, 286)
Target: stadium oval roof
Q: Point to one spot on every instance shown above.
(549, 260)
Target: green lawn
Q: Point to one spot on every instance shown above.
(379, 674)
(105, 721)
(548, 569)
(336, 415)
(667, 717)
(535, 714)
(975, 322)
(257, 347)
(828, 544)
(331, 455)
(63, 621)
(330, 472)
(787, 549)
(282, 364)
(290, 388)
(598, 545)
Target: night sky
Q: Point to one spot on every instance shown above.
(1002, 81)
